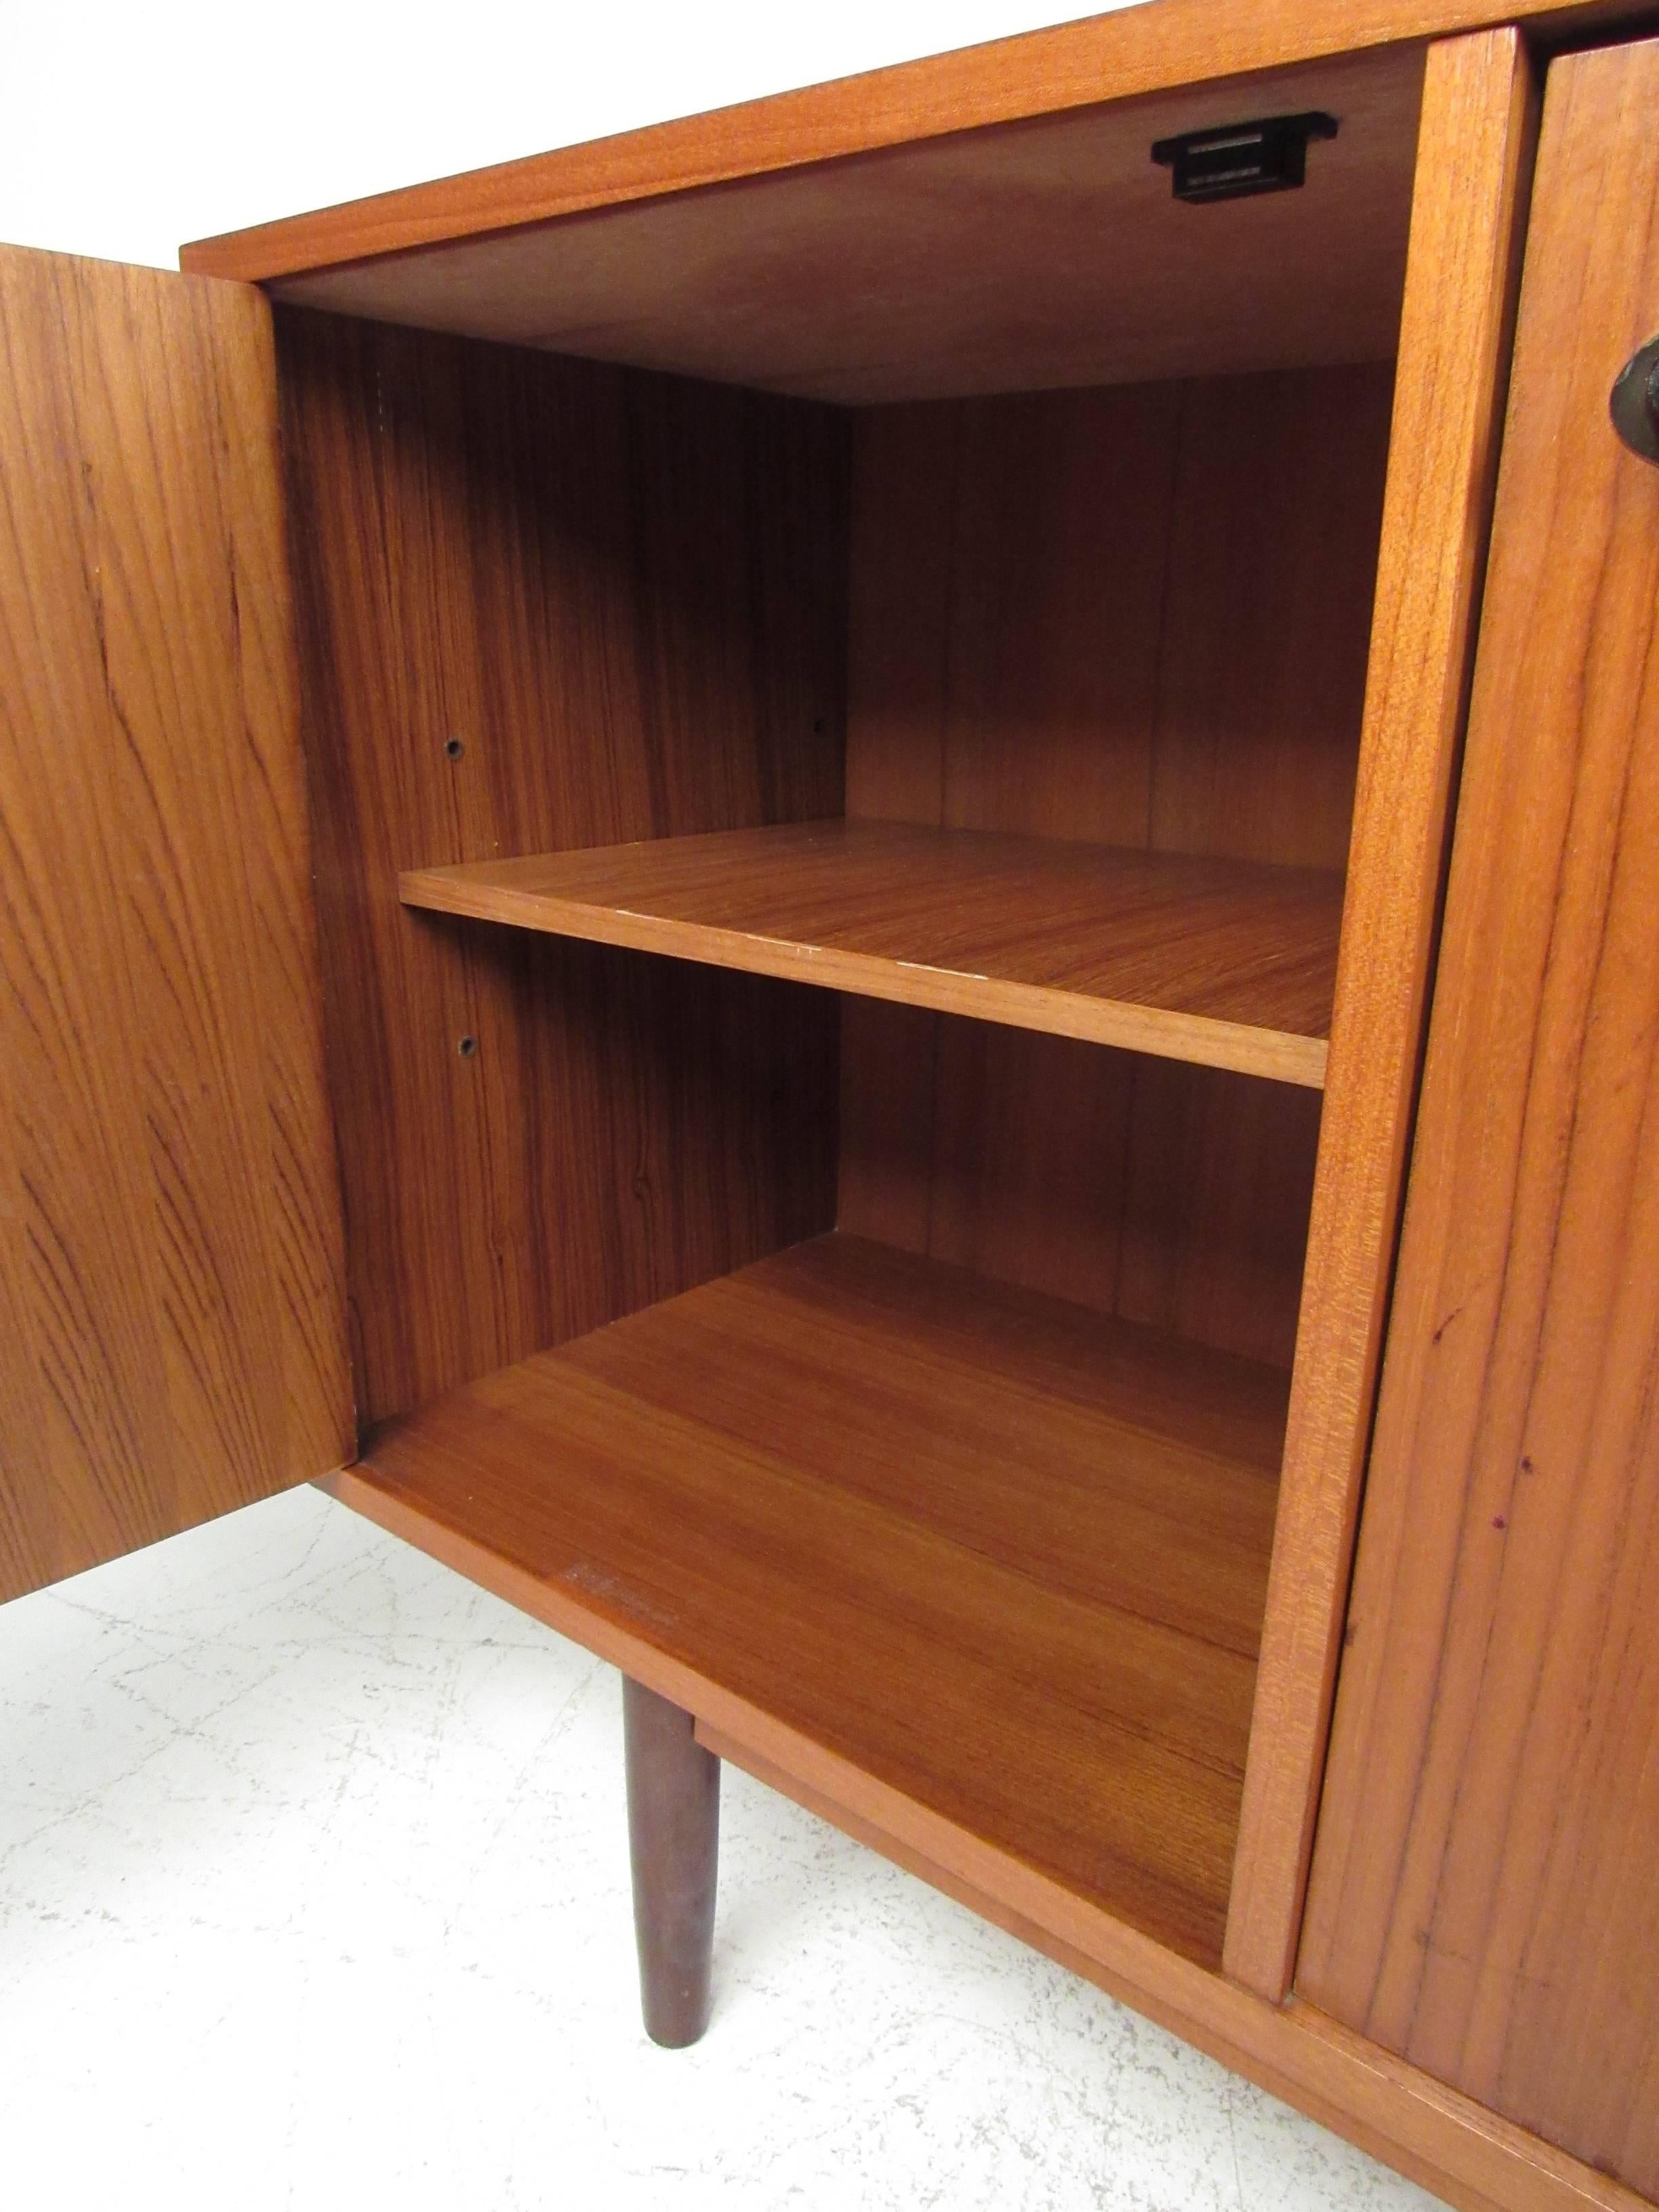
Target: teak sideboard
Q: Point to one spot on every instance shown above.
(866, 892)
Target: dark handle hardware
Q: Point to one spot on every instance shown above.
(1269, 155)
(1634, 403)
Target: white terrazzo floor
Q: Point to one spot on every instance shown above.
(314, 1893)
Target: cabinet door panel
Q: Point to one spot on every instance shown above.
(1485, 1889)
(172, 1322)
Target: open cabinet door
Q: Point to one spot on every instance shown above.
(173, 1336)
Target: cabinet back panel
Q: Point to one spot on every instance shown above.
(172, 1287)
(1137, 616)
(623, 596)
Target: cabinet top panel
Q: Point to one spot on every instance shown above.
(984, 220)
(1035, 254)
(1160, 48)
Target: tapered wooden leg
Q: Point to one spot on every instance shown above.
(674, 1839)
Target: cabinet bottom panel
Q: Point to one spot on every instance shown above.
(1003, 1554)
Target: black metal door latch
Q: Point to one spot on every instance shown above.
(1231, 163)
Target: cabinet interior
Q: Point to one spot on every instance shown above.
(956, 1300)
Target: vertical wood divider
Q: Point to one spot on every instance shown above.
(1474, 170)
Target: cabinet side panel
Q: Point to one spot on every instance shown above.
(546, 605)
(1486, 1893)
(170, 1244)
(1474, 172)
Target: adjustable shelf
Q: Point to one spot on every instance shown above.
(1225, 963)
(1007, 1556)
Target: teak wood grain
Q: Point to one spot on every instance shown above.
(1137, 616)
(1219, 962)
(1485, 1895)
(1003, 1554)
(554, 1426)
(172, 1293)
(1467, 222)
(1141, 50)
(621, 598)
(1447, 2142)
(1162, 1192)
(848, 281)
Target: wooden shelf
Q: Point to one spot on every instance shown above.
(1227, 962)
(1006, 1556)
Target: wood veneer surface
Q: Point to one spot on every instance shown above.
(1149, 1188)
(1486, 1893)
(1480, 112)
(622, 599)
(1047, 253)
(1074, 66)
(1136, 617)
(1453, 2146)
(1220, 961)
(172, 1293)
(1003, 1554)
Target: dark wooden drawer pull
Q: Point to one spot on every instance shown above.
(1634, 401)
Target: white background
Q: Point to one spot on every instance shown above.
(130, 128)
